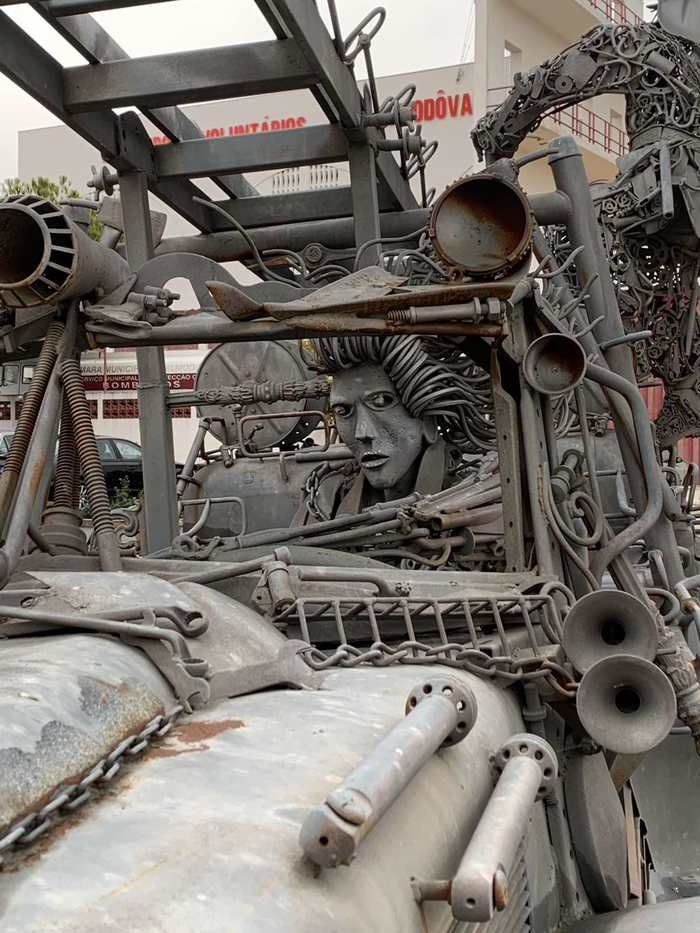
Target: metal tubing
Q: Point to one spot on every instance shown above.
(592, 266)
(645, 442)
(224, 573)
(195, 448)
(529, 767)
(334, 234)
(39, 455)
(68, 463)
(622, 417)
(438, 710)
(91, 466)
(206, 327)
(27, 419)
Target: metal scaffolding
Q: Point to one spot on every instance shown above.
(302, 55)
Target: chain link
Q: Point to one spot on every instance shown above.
(505, 669)
(69, 797)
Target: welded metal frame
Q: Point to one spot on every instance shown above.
(302, 55)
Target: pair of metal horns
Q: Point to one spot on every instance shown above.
(625, 703)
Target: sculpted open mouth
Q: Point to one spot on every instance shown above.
(373, 461)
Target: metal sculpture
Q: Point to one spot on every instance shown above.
(649, 216)
(544, 572)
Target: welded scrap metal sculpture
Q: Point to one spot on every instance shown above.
(436, 670)
(649, 216)
(551, 683)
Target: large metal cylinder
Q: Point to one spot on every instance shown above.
(46, 258)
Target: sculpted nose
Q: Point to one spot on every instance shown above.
(364, 428)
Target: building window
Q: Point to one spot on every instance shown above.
(5, 411)
(182, 411)
(120, 408)
(92, 403)
(18, 407)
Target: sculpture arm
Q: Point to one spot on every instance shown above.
(605, 61)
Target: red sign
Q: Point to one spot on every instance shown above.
(242, 129)
(441, 107)
(129, 382)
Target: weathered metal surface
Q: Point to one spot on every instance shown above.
(47, 258)
(238, 364)
(678, 915)
(481, 226)
(252, 755)
(440, 712)
(66, 701)
(598, 830)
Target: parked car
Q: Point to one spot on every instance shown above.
(120, 458)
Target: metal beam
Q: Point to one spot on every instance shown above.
(296, 208)
(365, 202)
(336, 233)
(335, 88)
(311, 145)
(72, 7)
(188, 77)
(122, 141)
(93, 42)
(160, 504)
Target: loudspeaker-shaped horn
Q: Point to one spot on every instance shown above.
(554, 364)
(626, 704)
(607, 623)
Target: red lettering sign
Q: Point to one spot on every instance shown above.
(443, 106)
(129, 382)
(242, 129)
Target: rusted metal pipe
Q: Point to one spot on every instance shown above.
(93, 474)
(28, 417)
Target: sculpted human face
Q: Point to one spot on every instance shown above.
(385, 439)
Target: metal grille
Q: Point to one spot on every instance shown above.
(468, 634)
(423, 617)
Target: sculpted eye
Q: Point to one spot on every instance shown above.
(382, 400)
(342, 410)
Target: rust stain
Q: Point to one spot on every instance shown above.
(200, 731)
(190, 737)
(169, 751)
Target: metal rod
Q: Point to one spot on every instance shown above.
(437, 710)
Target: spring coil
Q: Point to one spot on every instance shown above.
(84, 436)
(32, 400)
(68, 466)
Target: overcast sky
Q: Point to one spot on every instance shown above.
(417, 34)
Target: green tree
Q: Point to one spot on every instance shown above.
(55, 191)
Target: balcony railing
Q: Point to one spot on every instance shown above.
(617, 12)
(305, 178)
(586, 124)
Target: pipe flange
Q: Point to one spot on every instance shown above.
(531, 746)
(481, 227)
(456, 693)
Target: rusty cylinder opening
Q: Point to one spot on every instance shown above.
(482, 225)
(21, 246)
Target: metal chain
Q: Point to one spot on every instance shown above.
(69, 797)
(504, 668)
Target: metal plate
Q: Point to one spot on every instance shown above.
(597, 831)
(274, 361)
